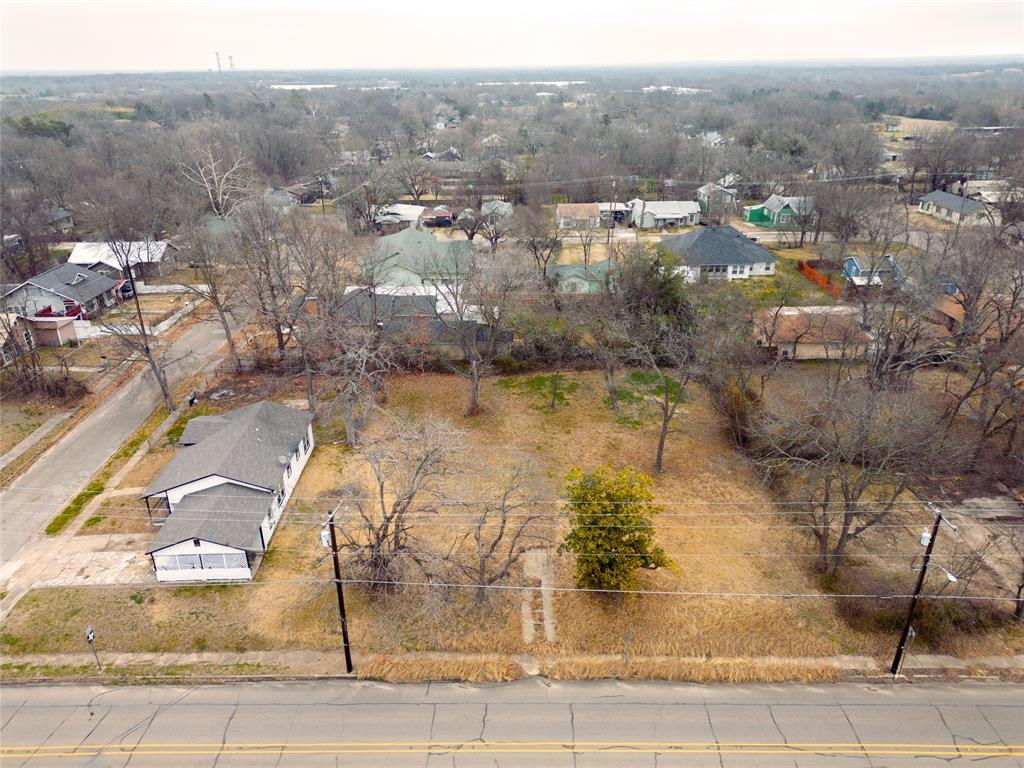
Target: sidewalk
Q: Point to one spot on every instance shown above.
(312, 663)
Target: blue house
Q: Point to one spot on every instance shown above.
(861, 273)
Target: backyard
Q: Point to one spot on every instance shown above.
(719, 526)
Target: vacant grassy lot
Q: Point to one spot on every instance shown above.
(718, 527)
(18, 420)
(798, 290)
(155, 307)
(91, 353)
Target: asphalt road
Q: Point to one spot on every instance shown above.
(529, 723)
(31, 501)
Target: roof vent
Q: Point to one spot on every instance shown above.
(283, 460)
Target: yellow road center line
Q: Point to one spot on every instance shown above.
(435, 743)
(535, 750)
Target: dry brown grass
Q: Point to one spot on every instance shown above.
(119, 514)
(418, 669)
(716, 529)
(148, 467)
(19, 419)
(706, 671)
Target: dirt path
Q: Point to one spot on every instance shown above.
(537, 565)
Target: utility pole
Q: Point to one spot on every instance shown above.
(231, 62)
(323, 205)
(340, 589)
(905, 635)
(219, 70)
(611, 215)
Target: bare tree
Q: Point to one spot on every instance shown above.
(663, 345)
(586, 235)
(475, 302)
(222, 176)
(540, 236)
(850, 453)
(503, 528)
(414, 175)
(215, 282)
(494, 228)
(406, 469)
(374, 190)
(127, 223)
(265, 269)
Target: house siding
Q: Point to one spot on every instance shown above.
(170, 567)
(209, 561)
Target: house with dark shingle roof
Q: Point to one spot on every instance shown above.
(720, 253)
(219, 499)
(65, 290)
(953, 208)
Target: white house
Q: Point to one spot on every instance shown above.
(399, 215)
(720, 253)
(146, 258)
(219, 499)
(953, 208)
(645, 214)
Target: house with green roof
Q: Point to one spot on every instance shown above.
(413, 258)
(577, 278)
(778, 212)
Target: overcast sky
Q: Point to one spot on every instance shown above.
(344, 34)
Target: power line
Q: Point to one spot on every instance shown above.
(655, 502)
(583, 590)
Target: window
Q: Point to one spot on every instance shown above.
(288, 470)
(196, 543)
(784, 218)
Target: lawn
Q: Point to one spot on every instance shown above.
(156, 308)
(18, 420)
(119, 514)
(92, 353)
(767, 292)
(718, 526)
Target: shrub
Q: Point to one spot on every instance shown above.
(611, 531)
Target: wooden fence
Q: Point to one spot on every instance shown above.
(833, 289)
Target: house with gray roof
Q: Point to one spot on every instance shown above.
(647, 214)
(720, 253)
(67, 290)
(219, 499)
(953, 208)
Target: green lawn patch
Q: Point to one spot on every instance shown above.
(200, 409)
(540, 386)
(766, 292)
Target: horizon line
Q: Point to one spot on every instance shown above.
(1005, 57)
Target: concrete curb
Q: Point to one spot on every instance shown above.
(315, 665)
